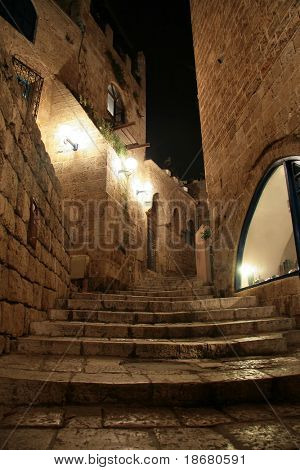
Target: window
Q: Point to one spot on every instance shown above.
(31, 84)
(21, 15)
(269, 244)
(115, 105)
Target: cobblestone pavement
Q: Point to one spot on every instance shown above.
(171, 409)
(93, 380)
(117, 427)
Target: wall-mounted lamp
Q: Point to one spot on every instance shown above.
(68, 136)
(73, 145)
(129, 167)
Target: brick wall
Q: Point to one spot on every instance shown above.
(31, 278)
(247, 60)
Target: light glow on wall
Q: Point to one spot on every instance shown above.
(249, 272)
(129, 166)
(73, 137)
(144, 192)
(116, 164)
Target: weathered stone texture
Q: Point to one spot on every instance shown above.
(108, 222)
(26, 173)
(247, 62)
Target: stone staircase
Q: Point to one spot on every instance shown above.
(166, 342)
(160, 318)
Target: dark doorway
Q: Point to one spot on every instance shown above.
(152, 216)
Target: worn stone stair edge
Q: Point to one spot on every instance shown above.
(167, 330)
(155, 349)
(19, 387)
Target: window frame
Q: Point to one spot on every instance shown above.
(20, 28)
(286, 162)
(113, 92)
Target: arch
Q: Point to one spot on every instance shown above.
(115, 106)
(21, 15)
(269, 246)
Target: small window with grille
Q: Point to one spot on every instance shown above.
(31, 84)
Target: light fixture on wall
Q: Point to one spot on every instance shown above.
(144, 192)
(129, 166)
(73, 144)
(68, 137)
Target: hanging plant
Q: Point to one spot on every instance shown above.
(111, 137)
(103, 125)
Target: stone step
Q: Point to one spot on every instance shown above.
(168, 285)
(155, 349)
(138, 297)
(250, 313)
(157, 306)
(207, 290)
(194, 282)
(55, 380)
(160, 331)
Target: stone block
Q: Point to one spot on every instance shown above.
(3, 281)
(15, 286)
(23, 204)
(2, 340)
(26, 439)
(48, 299)
(27, 293)
(8, 216)
(17, 256)
(40, 272)
(18, 326)
(9, 182)
(17, 161)
(31, 268)
(21, 230)
(3, 244)
(37, 296)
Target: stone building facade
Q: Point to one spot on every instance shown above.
(88, 96)
(247, 61)
(34, 264)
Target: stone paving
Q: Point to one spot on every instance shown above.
(117, 427)
(96, 380)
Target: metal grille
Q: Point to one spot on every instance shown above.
(31, 84)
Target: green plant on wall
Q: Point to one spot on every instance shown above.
(111, 137)
(117, 70)
(103, 125)
(206, 234)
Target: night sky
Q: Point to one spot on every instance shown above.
(162, 29)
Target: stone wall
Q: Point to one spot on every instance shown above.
(174, 253)
(34, 265)
(108, 217)
(248, 86)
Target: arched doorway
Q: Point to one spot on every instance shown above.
(152, 224)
